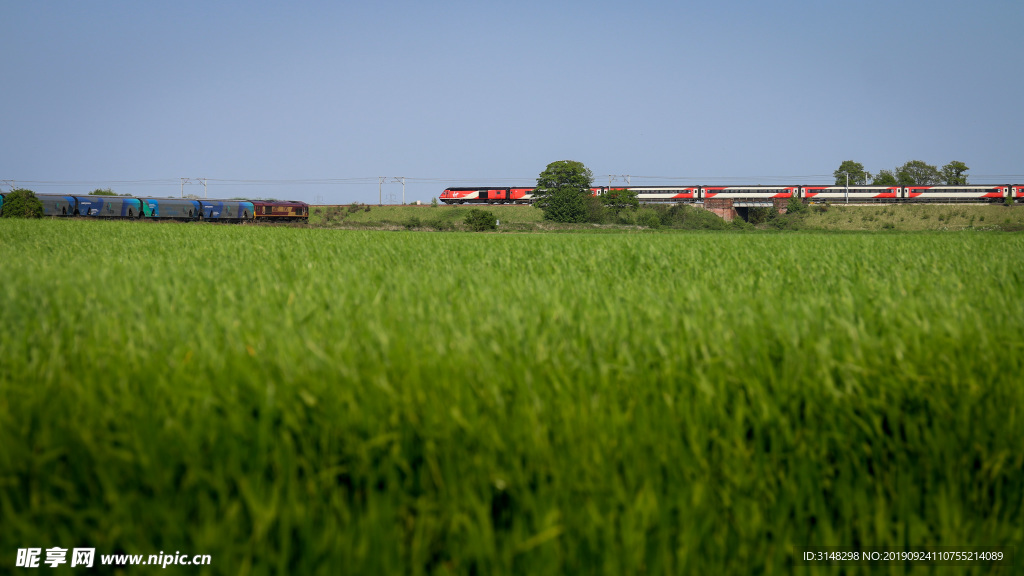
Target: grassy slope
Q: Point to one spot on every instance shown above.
(409, 403)
(919, 217)
(340, 216)
(908, 217)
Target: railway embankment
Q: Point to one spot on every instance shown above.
(827, 217)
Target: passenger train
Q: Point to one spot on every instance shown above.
(683, 194)
(128, 207)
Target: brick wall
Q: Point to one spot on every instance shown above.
(721, 207)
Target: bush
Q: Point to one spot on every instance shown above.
(411, 223)
(760, 215)
(740, 224)
(796, 207)
(596, 211)
(22, 203)
(649, 219)
(689, 217)
(441, 225)
(564, 206)
(480, 220)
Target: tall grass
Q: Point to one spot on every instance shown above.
(319, 401)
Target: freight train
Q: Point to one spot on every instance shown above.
(677, 194)
(127, 207)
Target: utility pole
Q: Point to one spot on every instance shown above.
(613, 177)
(396, 180)
(380, 190)
(190, 181)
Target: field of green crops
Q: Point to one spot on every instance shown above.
(318, 401)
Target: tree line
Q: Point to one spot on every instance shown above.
(913, 173)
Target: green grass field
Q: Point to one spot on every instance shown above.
(317, 401)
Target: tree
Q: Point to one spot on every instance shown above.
(918, 173)
(562, 191)
(955, 173)
(884, 178)
(858, 177)
(620, 198)
(102, 192)
(22, 203)
(480, 220)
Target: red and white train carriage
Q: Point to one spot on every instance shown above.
(682, 194)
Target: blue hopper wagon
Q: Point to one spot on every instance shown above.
(170, 208)
(227, 210)
(109, 206)
(58, 205)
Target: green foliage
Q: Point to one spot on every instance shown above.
(918, 173)
(648, 219)
(597, 212)
(22, 203)
(619, 199)
(412, 222)
(433, 202)
(441, 224)
(701, 404)
(858, 177)
(562, 191)
(885, 178)
(686, 217)
(102, 192)
(797, 207)
(564, 205)
(479, 220)
(761, 214)
(955, 173)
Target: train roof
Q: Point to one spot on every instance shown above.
(468, 188)
(278, 203)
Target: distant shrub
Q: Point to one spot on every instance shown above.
(760, 215)
(480, 220)
(648, 219)
(354, 207)
(688, 217)
(740, 224)
(796, 207)
(787, 222)
(597, 213)
(433, 202)
(441, 225)
(411, 223)
(22, 203)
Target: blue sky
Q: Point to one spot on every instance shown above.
(315, 100)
